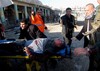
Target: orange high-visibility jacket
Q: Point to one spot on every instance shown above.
(32, 19)
(39, 22)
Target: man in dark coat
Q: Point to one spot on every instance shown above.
(90, 14)
(68, 21)
(29, 32)
(96, 24)
(95, 50)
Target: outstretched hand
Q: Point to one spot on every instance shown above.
(86, 33)
(73, 38)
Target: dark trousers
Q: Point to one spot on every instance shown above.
(69, 36)
(86, 42)
(95, 57)
(91, 65)
(94, 64)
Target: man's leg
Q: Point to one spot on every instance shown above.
(86, 42)
(69, 36)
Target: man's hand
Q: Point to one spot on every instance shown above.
(26, 49)
(80, 51)
(89, 32)
(86, 33)
(74, 38)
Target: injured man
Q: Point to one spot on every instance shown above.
(38, 46)
(47, 46)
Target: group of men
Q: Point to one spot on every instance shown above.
(44, 45)
(30, 29)
(90, 31)
(33, 27)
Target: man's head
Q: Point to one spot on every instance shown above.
(89, 9)
(23, 24)
(55, 44)
(39, 12)
(68, 11)
(98, 1)
(59, 44)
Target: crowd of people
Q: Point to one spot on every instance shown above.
(33, 29)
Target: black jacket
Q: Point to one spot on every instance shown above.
(69, 22)
(31, 32)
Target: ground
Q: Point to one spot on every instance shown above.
(54, 31)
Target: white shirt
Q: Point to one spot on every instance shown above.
(36, 45)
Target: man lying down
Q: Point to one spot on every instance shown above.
(38, 46)
(44, 46)
(47, 47)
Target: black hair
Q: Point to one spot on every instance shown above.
(24, 21)
(68, 9)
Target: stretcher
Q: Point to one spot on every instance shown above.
(15, 54)
(28, 64)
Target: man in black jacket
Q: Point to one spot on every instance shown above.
(68, 21)
(30, 32)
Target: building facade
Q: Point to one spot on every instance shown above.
(21, 9)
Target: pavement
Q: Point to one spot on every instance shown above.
(54, 31)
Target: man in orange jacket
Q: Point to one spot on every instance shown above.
(38, 20)
(32, 19)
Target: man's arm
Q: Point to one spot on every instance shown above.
(80, 35)
(95, 25)
(90, 32)
(74, 22)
